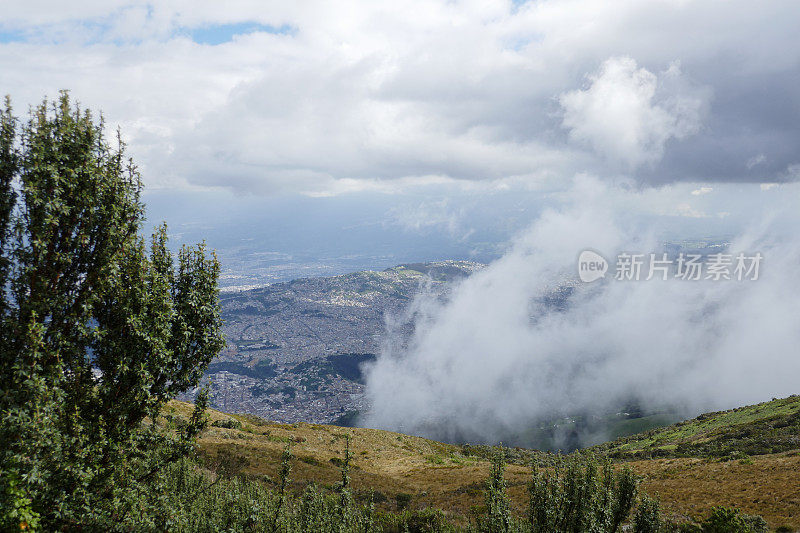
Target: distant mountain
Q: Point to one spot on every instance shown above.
(295, 350)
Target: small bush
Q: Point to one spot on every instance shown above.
(730, 520)
(370, 496)
(227, 423)
(421, 521)
(582, 494)
(648, 517)
(308, 459)
(402, 499)
(498, 517)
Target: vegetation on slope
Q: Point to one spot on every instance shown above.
(567, 494)
(423, 474)
(689, 488)
(769, 427)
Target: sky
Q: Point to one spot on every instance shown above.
(453, 116)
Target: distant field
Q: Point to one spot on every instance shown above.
(387, 465)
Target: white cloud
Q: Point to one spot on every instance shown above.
(702, 190)
(686, 210)
(755, 160)
(494, 360)
(792, 172)
(364, 91)
(436, 214)
(622, 116)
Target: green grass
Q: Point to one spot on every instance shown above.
(631, 426)
(767, 427)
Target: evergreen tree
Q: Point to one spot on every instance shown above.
(97, 332)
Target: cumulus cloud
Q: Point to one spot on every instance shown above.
(497, 360)
(624, 119)
(272, 97)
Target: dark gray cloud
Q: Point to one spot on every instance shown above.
(751, 133)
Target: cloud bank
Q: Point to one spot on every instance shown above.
(496, 360)
(324, 98)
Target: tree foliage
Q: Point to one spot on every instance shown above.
(98, 330)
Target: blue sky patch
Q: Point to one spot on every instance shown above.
(223, 33)
(11, 36)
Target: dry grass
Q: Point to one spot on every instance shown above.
(768, 485)
(438, 475)
(435, 474)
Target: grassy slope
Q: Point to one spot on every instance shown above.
(768, 485)
(435, 474)
(768, 427)
(746, 457)
(711, 469)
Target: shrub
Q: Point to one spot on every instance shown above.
(498, 517)
(227, 423)
(580, 494)
(418, 521)
(648, 517)
(403, 500)
(730, 520)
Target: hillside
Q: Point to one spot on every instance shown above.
(294, 350)
(385, 465)
(390, 465)
(748, 457)
(764, 428)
